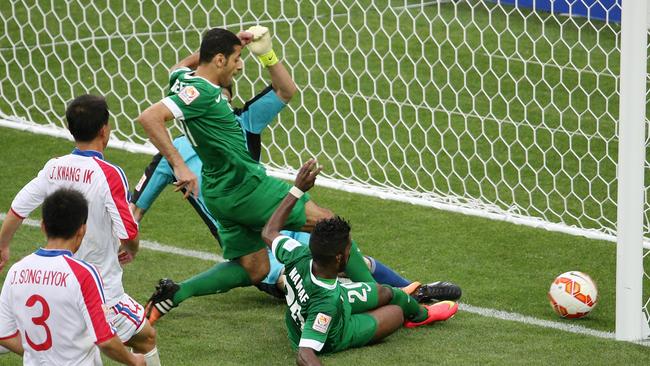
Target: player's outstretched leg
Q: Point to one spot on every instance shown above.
(384, 274)
(414, 313)
(218, 279)
(161, 301)
(437, 312)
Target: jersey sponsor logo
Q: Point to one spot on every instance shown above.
(322, 323)
(188, 94)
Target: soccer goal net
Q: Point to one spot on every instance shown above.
(482, 107)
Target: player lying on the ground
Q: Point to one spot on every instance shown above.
(111, 227)
(52, 305)
(256, 115)
(326, 316)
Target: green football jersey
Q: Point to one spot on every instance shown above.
(317, 311)
(212, 129)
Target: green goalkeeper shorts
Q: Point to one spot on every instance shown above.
(244, 212)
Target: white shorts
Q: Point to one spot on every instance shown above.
(127, 317)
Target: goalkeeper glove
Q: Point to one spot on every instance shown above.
(261, 45)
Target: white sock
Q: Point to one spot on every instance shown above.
(151, 358)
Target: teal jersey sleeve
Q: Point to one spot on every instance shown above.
(154, 180)
(317, 326)
(288, 250)
(260, 111)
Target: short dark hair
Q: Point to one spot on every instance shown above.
(329, 238)
(86, 115)
(64, 211)
(215, 41)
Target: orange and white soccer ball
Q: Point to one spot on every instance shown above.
(573, 295)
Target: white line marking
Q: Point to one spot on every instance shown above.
(150, 34)
(486, 312)
(585, 70)
(151, 245)
(519, 318)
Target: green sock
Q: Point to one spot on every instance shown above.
(220, 278)
(412, 310)
(356, 269)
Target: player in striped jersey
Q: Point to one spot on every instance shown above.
(52, 305)
(111, 227)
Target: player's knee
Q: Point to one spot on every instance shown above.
(145, 340)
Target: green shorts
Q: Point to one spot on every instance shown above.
(361, 326)
(244, 212)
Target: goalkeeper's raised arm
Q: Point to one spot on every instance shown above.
(261, 46)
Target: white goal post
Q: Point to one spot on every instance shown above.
(509, 112)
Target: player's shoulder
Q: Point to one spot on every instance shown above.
(198, 83)
(22, 262)
(82, 269)
(112, 172)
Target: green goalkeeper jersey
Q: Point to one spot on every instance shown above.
(318, 308)
(212, 129)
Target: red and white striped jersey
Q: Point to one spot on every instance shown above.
(109, 219)
(56, 302)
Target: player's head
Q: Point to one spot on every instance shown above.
(64, 215)
(87, 117)
(330, 242)
(221, 50)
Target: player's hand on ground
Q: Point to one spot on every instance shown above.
(4, 257)
(307, 175)
(261, 42)
(186, 179)
(245, 37)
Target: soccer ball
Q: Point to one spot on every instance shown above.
(573, 295)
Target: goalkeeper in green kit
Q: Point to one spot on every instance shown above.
(235, 187)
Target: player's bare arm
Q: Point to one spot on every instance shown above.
(262, 47)
(9, 227)
(154, 120)
(305, 180)
(307, 357)
(128, 250)
(191, 61)
(115, 350)
(282, 82)
(138, 213)
(13, 344)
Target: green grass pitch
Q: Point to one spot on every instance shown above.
(499, 265)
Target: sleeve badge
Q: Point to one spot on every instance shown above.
(322, 323)
(188, 94)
